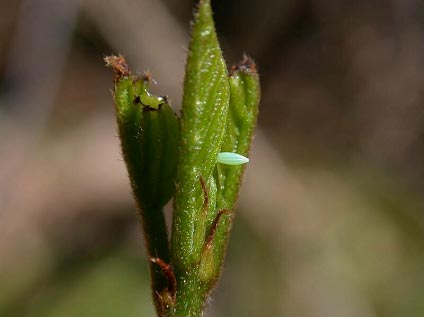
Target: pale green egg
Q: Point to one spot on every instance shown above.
(232, 158)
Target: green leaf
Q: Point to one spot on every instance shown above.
(203, 122)
(242, 117)
(149, 134)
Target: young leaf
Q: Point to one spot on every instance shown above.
(243, 113)
(203, 122)
(242, 116)
(149, 134)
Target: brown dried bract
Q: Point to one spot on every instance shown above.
(169, 273)
(118, 64)
(147, 76)
(245, 65)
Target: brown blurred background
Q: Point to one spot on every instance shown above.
(331, 217)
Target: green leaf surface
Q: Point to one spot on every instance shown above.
(203, 122)
(242, 117)
(149, 134)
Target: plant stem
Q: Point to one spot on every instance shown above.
(191, 295)
(169, 156)
(157, 245)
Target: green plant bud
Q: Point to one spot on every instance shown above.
(203, 122)
(242, 117)
(149, 132)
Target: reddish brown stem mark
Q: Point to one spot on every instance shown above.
(169, 273)
(205, 194)
(214, 226)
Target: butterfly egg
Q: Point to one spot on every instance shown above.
(232, 158)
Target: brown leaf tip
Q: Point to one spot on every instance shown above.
(147, 76)
(118, 64)
(246, 65)
(169, 273)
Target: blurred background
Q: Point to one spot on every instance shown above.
(331, 216)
